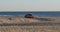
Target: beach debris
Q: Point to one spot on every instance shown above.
(29, 15)
(34, 17)
(45, 19)
(10, 18)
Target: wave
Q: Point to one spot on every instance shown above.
(9, 15)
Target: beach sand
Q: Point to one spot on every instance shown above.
(4, 19)
(16, 19)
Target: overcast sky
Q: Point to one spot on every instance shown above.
(39, 5)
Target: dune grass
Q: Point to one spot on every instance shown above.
(29, 28)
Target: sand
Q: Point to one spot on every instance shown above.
(5, 19)
(16, 20)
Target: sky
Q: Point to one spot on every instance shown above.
(29, 5)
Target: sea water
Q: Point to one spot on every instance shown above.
(33, 13)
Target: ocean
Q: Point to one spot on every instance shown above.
(33, 13)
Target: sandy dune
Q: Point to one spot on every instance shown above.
(4, 19)
(16, 20)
